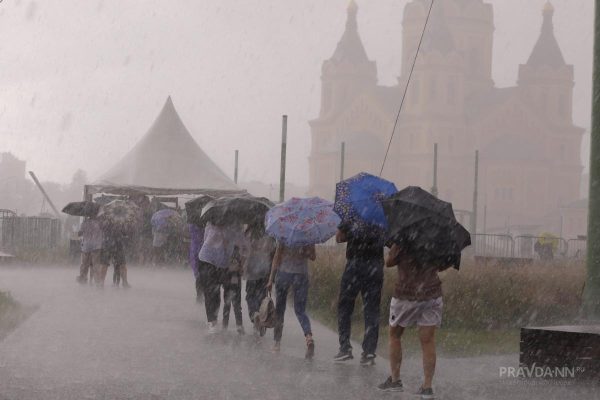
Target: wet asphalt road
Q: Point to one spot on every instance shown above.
(149, 342)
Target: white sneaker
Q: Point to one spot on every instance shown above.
(212, 328)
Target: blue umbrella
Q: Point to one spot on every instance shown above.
(302, 222)
(358, 201)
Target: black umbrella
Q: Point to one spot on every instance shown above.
(82, 209)
(229, 210)
(193, 209)
(425, 226)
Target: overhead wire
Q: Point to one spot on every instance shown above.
(412, 68)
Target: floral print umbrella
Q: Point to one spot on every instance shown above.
(302, 221)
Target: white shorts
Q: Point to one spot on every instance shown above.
(405, 313)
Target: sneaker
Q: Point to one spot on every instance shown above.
(276, 347)
(426, 394)
(343, 356)
(81, 279)
(391, 386)
(212, 328)
(240, 330)
(310, 348)
(367, 359)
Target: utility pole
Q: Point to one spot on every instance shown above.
(475, 195)
(485, 217)
(434, 188)
(591, 296)
(235, 168)
(342, 159)
(283, 159)
(39, 185)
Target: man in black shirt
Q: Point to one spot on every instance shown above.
(364, 275)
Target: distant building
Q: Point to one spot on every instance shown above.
(529, 147)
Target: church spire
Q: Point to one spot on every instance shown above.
(350, 47)
(546, 51)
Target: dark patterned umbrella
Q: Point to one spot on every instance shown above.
(82, 209)
(230, 210)
(121, 215)
(425, 226)
(193, 209)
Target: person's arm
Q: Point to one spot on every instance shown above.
(275, 264)
(392, 258)
(340, 236)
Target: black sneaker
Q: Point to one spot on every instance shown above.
(343, 356)
(390, 386)
(426, 394)
(367, 359)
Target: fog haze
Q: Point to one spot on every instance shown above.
(81, 94)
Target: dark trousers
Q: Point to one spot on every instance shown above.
(212, 278)
(232, 295)
(198, 289)
(364, 277)
(256, 291)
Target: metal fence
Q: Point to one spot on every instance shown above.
(29, 232)
(577, 249)
(493, 246)
(527, 247)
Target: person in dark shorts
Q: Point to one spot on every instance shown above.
(113, 252)
(363, 275)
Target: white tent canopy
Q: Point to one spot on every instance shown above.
(169, 157)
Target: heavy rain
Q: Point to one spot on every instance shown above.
(285, 199)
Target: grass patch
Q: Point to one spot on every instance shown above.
(484, 307)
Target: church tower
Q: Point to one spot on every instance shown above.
(470, 25)
(546, 80)
(349, 71)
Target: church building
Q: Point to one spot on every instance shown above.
(529, 148)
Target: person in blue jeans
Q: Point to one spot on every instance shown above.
(363, 275)
(289, 271)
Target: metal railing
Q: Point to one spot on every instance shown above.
(493, 246)
(577, 249)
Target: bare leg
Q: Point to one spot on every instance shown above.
(396, 351)
(427, 338)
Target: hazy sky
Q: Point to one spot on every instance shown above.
(81, 81)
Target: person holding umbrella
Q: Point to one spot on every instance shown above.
(193, 209)
(119, 219)
(363, 225)
(297, 224)
(91, 238)
(425, 238)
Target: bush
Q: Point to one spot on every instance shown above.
(479, 301)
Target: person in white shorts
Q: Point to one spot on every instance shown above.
(417, 301)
